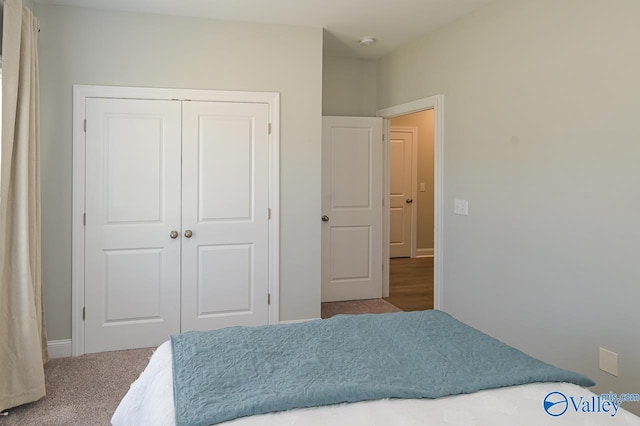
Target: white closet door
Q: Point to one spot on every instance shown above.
(132, 275)
(225, 187)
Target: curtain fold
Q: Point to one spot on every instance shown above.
(23, 340)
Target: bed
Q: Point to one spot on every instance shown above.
(418, 368)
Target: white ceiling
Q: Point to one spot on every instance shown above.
(392, 22)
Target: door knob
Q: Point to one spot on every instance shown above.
(325, 218)
(188, 233)
(409, 200)
(173, 234)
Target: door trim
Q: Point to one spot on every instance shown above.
(414, 181)
(437, 104)
(80, 94)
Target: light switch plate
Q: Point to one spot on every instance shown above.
(422, 187)
(609, 361)
(461, 207)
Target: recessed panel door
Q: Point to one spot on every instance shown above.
(351, 208)
(400, 197)
(225, 232)
(132, 263)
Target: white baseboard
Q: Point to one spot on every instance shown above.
(62, 348)
(424, 252)
(59, 348)
(297, 321)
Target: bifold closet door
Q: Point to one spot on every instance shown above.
(132, 263)
(225, 214)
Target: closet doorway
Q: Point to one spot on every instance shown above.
(178, 200)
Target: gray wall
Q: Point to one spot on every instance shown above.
(542, 100)
(84, 46)
(348, 87)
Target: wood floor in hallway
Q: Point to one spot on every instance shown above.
(411, 283)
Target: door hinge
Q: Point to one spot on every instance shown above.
(269, 213)
(269, 128)
(268, 298)
(85, 125)
(383, 137)
(84, 312)
(84, 219)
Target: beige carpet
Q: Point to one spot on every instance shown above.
(85, 390)
(370, 306)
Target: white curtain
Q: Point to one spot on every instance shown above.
(23, 341)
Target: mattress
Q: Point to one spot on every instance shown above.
(150, 401)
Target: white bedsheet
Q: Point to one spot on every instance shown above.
(150, 402)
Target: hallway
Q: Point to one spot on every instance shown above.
(411, 283)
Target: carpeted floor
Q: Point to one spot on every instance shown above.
(370, 306)
(85, 390)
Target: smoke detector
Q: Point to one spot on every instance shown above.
(367, 40)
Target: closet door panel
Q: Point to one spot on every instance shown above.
(225, 159)
(225, 184)
(224, 264)
(132, 265)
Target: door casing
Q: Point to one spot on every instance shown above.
(80, 95)
(437, 104)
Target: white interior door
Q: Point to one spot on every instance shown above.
(401, 190)
(225, 232)
(351, 208)
(132, 265)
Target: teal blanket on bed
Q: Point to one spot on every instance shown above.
(240, 371)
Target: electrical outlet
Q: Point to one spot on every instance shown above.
(609, 361)
(461, 207)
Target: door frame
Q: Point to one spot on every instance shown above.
(437, 104)
(80, 95)
(414, 182)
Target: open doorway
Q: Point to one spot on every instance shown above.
(420, 273)
(379, 200)
(411, 210)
